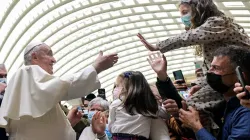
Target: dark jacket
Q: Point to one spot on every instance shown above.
(168, 91)
(2, 130)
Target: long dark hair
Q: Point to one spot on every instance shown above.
(138, 97)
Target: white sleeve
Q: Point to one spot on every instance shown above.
(159, 130)
(41, 91)
(162, 113)
(112, 114)
(82, 83)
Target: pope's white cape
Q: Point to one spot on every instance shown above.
(32, 94)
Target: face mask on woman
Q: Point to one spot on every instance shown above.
(186, 19)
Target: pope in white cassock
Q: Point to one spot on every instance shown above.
(30, 109)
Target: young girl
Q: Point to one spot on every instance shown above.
(131, 115)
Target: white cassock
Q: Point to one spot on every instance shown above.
(30, 109)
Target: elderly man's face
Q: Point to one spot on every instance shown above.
(44, 58)
(96, 107)
(221, 65)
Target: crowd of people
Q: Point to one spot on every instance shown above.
(217, 107)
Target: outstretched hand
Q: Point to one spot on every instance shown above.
(104, 62)
(158, 63)
(146, 44)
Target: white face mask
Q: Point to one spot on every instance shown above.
(117, 92)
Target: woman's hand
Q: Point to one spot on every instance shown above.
(146, 44)
(99, 123)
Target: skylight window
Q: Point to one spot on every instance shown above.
(169, 6)
(84, 27)
(143, 1)
(240, 12)
(233, 4)
(153, 8)
(139, 9)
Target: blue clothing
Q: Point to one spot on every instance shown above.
(236, 123)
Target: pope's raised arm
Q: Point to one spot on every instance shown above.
(30, 107)
(88, 77)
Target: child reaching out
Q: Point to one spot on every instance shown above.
(131, 115)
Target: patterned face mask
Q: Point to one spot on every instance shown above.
(186, 19)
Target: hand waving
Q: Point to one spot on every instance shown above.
(99, 123)
(158, 62)
(146, 44)
(104, 62)
(159, 65)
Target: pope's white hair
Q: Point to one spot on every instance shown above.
(28, 55)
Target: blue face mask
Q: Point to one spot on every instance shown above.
(3, 80)
(90, 115)
(186, 20)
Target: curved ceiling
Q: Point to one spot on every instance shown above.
(78, 29)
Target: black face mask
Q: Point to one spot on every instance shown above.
(216, 83)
